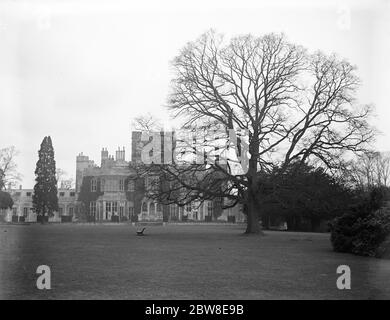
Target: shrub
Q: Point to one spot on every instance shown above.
(363, 229)
(371, 233)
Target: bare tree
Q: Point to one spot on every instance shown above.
(370, 169)
(8, 167)
(147, 123)
(60, 174)
(294, 106)
(383, 169)
(68, 183)
(62, 181)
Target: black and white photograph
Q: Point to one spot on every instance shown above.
(194, 156)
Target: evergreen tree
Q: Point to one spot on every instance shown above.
(5, 200)
(45, 199)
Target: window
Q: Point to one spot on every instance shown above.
(158, 207)
(115, 207)
(72, 194)
(152, 208)
(173, 211)
(144, 207)
(70, 211)
(62, 194)
(14, 211)
(108, 206)
(188, 207)
(131, 186)
(131, 211)
(92, 208)
(93, 185)
(28, 194)
(61, 211)
(210, 208)
(121, 185)
(25, 212)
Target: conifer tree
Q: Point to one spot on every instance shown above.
(5, 200)
(45, 199)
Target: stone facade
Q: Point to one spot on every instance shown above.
(22, 210)
(111, 192)
(104, 190)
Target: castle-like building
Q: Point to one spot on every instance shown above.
(111, 192)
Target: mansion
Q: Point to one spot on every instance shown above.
(109, 192)
(22, 210)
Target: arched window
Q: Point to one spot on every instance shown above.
(158, 207)
(152, 208)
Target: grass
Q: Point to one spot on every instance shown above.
(180, 262)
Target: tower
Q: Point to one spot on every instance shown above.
(82, 163)
(104, 156)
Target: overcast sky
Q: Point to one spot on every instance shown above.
(79, 71)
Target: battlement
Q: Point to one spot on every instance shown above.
(82, 158)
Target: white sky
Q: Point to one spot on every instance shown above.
(80, 70)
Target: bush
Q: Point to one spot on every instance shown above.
(66, 218)
(363, 229)
(42, 219)
(371, 233)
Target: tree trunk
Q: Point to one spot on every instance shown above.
(253, 225)
(43, 218)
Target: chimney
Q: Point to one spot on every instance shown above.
(104, 155)
(118, 154)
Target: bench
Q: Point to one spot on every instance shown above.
(140, 232)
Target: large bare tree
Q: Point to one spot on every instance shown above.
(288, 104)
(8, 167)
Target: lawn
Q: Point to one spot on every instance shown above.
(180, 262)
